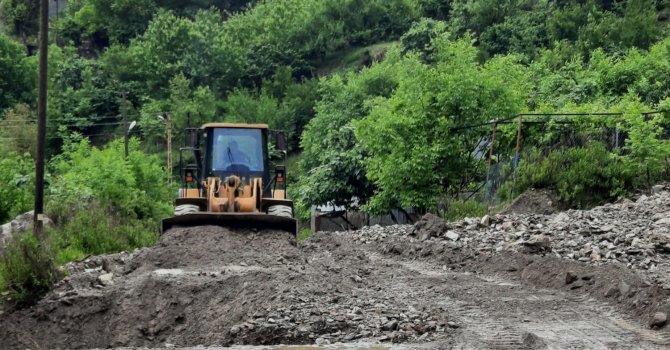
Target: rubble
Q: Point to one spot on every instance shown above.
(633, 233)
(482, 281)
(22, 223)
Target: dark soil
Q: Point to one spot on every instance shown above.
(210, 286)
(533, 201)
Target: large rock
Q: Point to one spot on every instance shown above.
(22, 223)
(429, 226)
(659, 320)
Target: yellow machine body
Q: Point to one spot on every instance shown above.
(219, 189)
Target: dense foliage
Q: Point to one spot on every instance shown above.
(18, 74)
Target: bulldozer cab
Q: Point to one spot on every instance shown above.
(230, 182)
(237, 151)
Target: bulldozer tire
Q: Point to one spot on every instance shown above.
(281, 210)
(186, 209)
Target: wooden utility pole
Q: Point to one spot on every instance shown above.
(168, 126)
(56, 29)
(518, 139)
(41, 120)
(493, 140)
(517, 151)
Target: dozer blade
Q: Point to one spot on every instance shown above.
(257, 221)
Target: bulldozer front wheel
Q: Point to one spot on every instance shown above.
(186, 209)
(281, 210)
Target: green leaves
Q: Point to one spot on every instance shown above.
(332, 160)
(415, 153)
(17, 74)
(16, 185)
(135, 188)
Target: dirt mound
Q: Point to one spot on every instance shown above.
(578, 279)
(429, 225)
(178, 290)
(209, 285)
(533, 202)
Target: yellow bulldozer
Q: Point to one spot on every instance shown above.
(227, 180)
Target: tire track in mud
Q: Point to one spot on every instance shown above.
(496, 313)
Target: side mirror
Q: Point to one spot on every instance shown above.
(281, 141)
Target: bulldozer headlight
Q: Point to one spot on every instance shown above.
(279, 173)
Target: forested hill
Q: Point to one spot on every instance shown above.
(377, 96)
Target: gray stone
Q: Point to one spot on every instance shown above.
(391, 325)
(106, 279)
(452, 235)
(429, 226)
(659, 320)
(539, 241)
(485, 221)
(624, 288)
(663, 221)
(452, 324)
(532, 341)
(20, 224)
(570, 277)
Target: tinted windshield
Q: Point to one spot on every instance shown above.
(239, 147)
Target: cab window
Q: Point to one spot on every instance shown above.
(237, 148)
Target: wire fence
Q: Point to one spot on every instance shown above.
(508, 140)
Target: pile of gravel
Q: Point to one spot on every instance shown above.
(633, 233)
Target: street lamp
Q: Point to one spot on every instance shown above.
(126, 135)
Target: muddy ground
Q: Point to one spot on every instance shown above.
(212, 287)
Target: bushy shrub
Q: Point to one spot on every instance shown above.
(16, 185)
(580, 176)
(460, 209)
(103, 202)
(27, 270)
(98, 230)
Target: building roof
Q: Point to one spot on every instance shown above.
(235, 125)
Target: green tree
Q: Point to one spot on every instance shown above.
(17, 74)
(117, 20)
(16, 185)
(417, 153)
(19, 18)
(332, 160)
(18, 131)
(194, 48)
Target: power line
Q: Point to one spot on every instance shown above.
(71, 125)
(96, 118)
(572, 114)
(58, 137)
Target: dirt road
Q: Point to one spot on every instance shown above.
(212, 287)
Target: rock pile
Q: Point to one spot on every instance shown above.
(22, 223)
(339, 317)
(634, 233)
